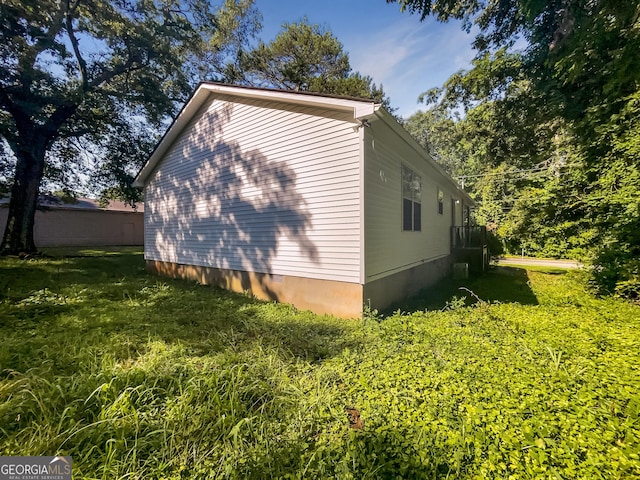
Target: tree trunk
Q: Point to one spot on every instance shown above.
(18, 233)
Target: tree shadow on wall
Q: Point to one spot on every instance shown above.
(212, 203)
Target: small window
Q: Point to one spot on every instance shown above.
(440, 202)
(411, 203)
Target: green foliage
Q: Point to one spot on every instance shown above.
(65, 195)
(127, 149)
(569, 102)
(505, 125)
(306, 57)
(301, 54)
(77, 75)
(494, 243)
(141, 377)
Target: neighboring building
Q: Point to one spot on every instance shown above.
(82, 222)
(323, 202)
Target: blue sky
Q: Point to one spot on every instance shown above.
(407, 56)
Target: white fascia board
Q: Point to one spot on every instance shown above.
(365, 110)
(297, 98)
(180, 122)
(387, 118)
(361, 109)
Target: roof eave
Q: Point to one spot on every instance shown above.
(188, 110)
(400, 130)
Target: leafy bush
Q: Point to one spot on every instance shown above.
(494, 243)
(628, 280)
(616, 272)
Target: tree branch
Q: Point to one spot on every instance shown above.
(43, 42)
(108, 75)
(64, 112)
(82, 64)
(20, 117)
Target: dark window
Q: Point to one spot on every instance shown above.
(440, 202)
(407, 218)
(411, 206)
(417, 223)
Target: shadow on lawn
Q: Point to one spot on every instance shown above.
(500, 284)
(112, 304)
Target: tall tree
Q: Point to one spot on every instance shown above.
(81, 69)
(483, 117)
(580, 63)
(306, 57)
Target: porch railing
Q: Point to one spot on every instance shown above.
(468, 237)
(469, 245)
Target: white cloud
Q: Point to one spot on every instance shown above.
(396, 49)
(409, 57)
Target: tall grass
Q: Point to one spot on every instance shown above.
(136, 376)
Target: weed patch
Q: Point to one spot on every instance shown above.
(143, 377)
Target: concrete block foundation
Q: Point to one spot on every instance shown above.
(342, 299)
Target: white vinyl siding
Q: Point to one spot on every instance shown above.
(389, 249)
(260, 186)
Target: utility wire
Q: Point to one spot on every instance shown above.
(511, 172)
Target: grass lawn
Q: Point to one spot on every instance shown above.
(138, 376)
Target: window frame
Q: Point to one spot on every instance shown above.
(411, 204)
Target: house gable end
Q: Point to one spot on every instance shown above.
(252, 186)
(356, 109)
